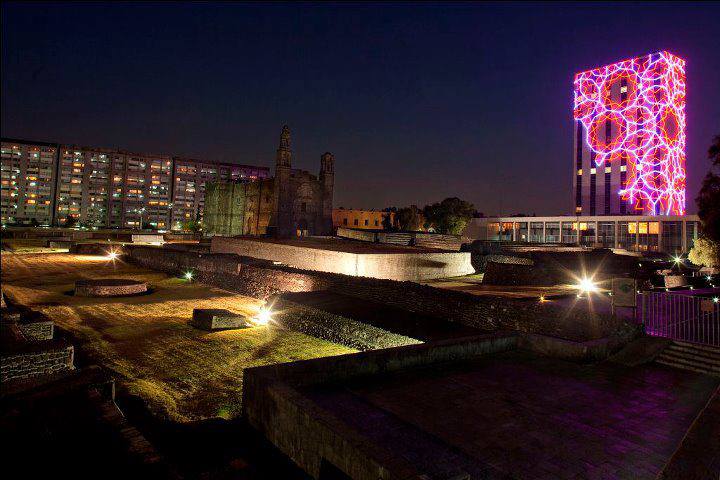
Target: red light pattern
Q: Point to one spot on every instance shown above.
(642, 100)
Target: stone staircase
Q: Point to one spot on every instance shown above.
(395, 238)
(691, 356)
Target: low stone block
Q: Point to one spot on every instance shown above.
(109, 287)
(37, 331)
(218, 319)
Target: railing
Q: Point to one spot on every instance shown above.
(688, 318)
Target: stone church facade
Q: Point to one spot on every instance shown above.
(292, 203)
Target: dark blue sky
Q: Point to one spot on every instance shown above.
(417, 102)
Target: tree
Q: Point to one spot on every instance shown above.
(387, 220)
(408, 219)
(708, 200)
(449, 216)
(191, 226)
(70, 221)
(705, 252)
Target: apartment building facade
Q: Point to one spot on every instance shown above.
(54, 184)
(190, 177)
(28, 176)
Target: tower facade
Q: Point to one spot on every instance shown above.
(327, 184)
(283, 204)
(629, 137)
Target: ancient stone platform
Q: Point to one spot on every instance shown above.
(109, 287)
(218, 319)
(348, 257)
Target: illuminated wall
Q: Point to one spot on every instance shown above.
(633, 113)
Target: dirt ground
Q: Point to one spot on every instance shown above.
(182, 373)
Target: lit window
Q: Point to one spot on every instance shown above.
(623, 168)
(593, 171)
(579, 171)
(607, 169)
(623, 89)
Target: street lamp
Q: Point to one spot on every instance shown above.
(140, 211)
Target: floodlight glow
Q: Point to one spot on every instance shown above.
(677, 259)
(263, 317)
(188, 275)
(112, 255)
(586, 285)
(646, 127)
(716, 299)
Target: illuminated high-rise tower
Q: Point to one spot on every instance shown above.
(629, 141)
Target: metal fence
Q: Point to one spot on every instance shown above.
(682, 317)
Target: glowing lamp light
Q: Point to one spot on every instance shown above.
(586, 285)
(188, 275)
(542, 298)
(112, 255)
(263, 317)
(716, 299)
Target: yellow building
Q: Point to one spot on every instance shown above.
(363, 219)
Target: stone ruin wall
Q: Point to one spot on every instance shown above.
(35, 363)
(262, 279)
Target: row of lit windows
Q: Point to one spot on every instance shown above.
(593, 170)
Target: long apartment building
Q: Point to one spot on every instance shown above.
(53, 184)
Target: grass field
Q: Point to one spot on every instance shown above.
(182, 373)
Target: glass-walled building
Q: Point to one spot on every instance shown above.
(628, 154)
(669, 234)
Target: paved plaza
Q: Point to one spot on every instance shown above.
(526, 416)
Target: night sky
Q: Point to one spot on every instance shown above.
(417, 102)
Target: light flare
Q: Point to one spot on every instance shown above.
(263, 317)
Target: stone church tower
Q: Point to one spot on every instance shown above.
(281, 188)
(327, 184)
(293, 203)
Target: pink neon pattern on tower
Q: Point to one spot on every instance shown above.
(644, 124)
